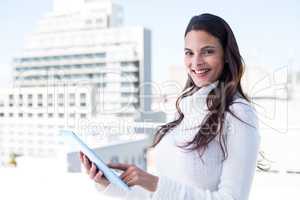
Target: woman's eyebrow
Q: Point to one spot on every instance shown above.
(187, 49)
(208, 47)
(203, 48)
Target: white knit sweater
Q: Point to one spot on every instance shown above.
(184, 176)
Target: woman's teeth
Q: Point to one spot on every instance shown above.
(201, 71)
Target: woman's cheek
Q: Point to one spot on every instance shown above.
(187, 67)
(186, 63)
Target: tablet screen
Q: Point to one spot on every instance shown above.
(112, 176)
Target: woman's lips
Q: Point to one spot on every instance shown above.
(201, 72)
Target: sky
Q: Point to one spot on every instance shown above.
(267, 31)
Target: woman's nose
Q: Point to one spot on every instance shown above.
(198, 61)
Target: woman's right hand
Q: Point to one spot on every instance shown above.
(92, 171)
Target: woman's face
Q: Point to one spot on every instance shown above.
(204, 57)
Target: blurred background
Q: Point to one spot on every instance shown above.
(111, 70)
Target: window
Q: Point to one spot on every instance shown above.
(20, 149)
(140, 160)
(11, 100)
(82, 99)
(60, 99)
(40, 100)
(114, 159)
(40, 142)
(30, 151)
(83, 115)
(82, 96)
(20, 133)
(99, 21)
(20, 100)
(100, 55)
(29, 99)
(50, 100)
(72, 96)
(72, 99)
(133, 160)
(126, 161)
(88, 21)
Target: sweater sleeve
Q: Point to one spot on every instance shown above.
(238, 169)
(136, 193)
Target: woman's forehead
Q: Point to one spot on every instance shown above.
(200, 39)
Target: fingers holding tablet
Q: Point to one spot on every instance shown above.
(92, 170)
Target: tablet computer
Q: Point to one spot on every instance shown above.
(93, 157)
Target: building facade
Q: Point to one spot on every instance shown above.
(80, 65)
(87, 45)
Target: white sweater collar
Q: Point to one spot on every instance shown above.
(196, 103)
(203, 91)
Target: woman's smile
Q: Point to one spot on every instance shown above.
(204, 57)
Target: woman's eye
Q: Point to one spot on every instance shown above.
(208, 52)
(188, 53)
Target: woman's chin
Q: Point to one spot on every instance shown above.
(202, 83)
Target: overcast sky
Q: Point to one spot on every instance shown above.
(267, 32)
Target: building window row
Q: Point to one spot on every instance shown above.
(63, 57)
(98, 76)
(61, 67)
(41, 115)
(19, 100)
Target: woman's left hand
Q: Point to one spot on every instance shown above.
(133, 175)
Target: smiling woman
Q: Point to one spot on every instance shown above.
(209, 151)
(204, 57)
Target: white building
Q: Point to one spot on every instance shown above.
(166, 93)
(294, 83)
(80, 65)
(84, 43)
(47, 103)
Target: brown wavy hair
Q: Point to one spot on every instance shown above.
(221, 97)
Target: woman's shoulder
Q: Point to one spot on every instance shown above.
(240, 103)
(243, 110)
(242, 118)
